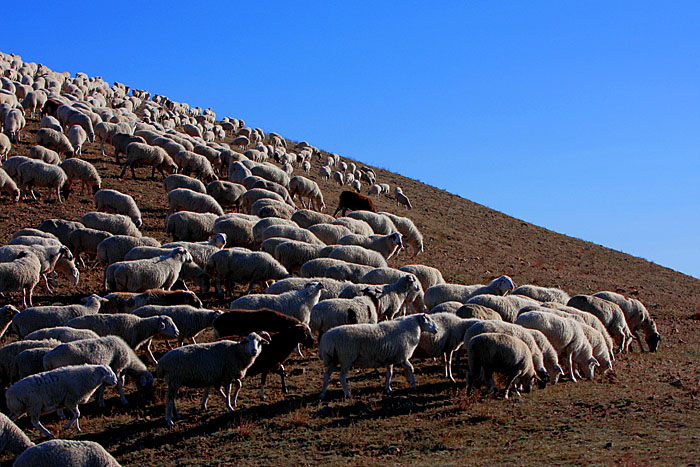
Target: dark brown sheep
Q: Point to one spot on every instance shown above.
(354, 202)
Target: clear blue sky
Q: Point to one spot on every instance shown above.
(581, 117)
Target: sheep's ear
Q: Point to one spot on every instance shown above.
(593, 361)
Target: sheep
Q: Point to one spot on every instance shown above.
(227, 194)
(637, 317)
(297, 304)
(293, 254)
(305, 188)
(583, 317)
(610, 314)
(248, 198)
(115, 202)
(263, 224)
(114, 248)
(183, 181)
(14, 123)
(77, 137)
(472, 310)
(338, 177)
(21, 274)
(31, 232)
(266, 207)
(375, 189)
(448, 338)
(144, 154)
(126, 302)
(52, 139)
(259, 182)
(44, 154)
(390, 297)
(411, 235)
(66, 452)
(358, 255)
(317, 267)
(116, 224)
(331, 313)
(61, 228)
(566, 336)
(324, 172)
(386, 245)
(154, 273)
(356, 226)
(237, 172)
(402, 199)
(86, 241)
(57, 389)
(82, 171)
(272, 173)
(331, 287)
(40, 174)
(32, 319)
(354, 202)
(243, 266)
(502, 353)
(183, 199)
(305, 218)
(190, 226)
(291, 232)
(121, 142)
(8, 353)
(51, 122)
(61, 333)
(105, 131)
(5, 146)
(28, 362)
(345, 271)
(12, 164)
(329, 233)
(111, 351)
(69, 116)
(217, 364)
(380, 224)
(243, 322)
(544, 357)
(13, 439)
(372, 345)
(7, 185)
(197, 164)
(382, 276)
(542, 294)
(189, 271)
(238, 231)
(452, 307)
(462, 293)
(50, 255)
(507, 306)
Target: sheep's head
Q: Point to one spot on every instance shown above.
(253, 342)
(426, 323)
(504, 284)
(653, 341)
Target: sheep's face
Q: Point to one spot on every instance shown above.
(305, 337)
(427, 324)
(167, 327)
(145, 381)
(653, 341)
(504, 284)
(253, 343)
(108, 376)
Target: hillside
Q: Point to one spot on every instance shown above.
(643, 412)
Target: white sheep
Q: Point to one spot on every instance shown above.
(345, 271)
(508, 306)
(61, 333)
(7, 185)
(263, 224)
(227, 194)
(358, 255)
(356, 226)
(238, 265)
(81, 171)
(63, 452)
(306, 218)
(411, 235)
(610, 314)
(329, 233)
(306, 188)
(386, 245)
(21, 274)
(40, 174)
(637, 317)
(86, 241)
(214, 365)
(272, 173)
(49, 121)
(154, 273)
(381, 224)
(14, 123)
(238, 230)
(183, 181)
(292, 254)
(462, 293)
(63, 388)
(197, 164)
(183, 199)
(583, 317)
(12, 439)
(52, 139)
(190, 226)
(5, 146)
(542, 294)
(77, 137)
(110, 351)
(331, 313)
(61, 228)
(292, 232)
(325, 172)
(402, 200)
(387, 344)
(153, 156)
(297, 304)
(114, 248)
(116, 224)
(331, 287)
(44, 154)
(116, 202)
(32, 319)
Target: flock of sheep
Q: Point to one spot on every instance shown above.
(234, 220)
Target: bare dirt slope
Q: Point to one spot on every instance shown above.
(646, 412)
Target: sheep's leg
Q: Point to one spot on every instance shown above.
(571, 367)
(170, 408)
(149, 352)
(101, 394)
(510, 382)
(133, 174)
(37, 424)
(326, 379)
(263, 379)
(238, 385)
(389, 371)
(344, 382)
(120, 387)
(448, 365)
(283, 374)
(76, 414)
(299, 351)
(636, 336)
(46, 284)
(205, 397)
(408, 370)
(219, 292)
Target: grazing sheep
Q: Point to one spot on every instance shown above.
(116, 224)
(40, 174)
(216, 365)
(32, 319)
(51, 122)
(358, 255)
(183, 181)
(237, 265)
(291, 232)
(12, 164)
(305, 188)
(508, 306)
(44, 154)
(305, 218)
(7, 185)
(354, 225)
(381, 224)
(115, 202)
(13, 439)
(77, 137)
(49, 255)
(331, 313)
(14, 123)
(386, 245)
(183, 199)
(491, 353)
(62, 388)
(542, 294)
(21, 274)
(324, 172)
(61, 333)
(187, 226)
(114, 248)
(338, 177)
(154, 273)
(610, 314)
(61, 228)
(248, 198)
(462, 293)
(238, 231)
(272, 173)
(65, 452)
(157, 297)
(196, 164)
(402, 199)
(86, 241)
(293, 254)
(153, 156)
(121, 142)
(297, 304)
(373, 345)
(263, 224)
(567, 337)
(329, 233)
(472, 310)
(354, 202)
(55, 140)
(637, 317)
(227, 194)
(270, 186)
(81, 171)
(411, 235)
(111, 351)
(317, 267)
(583, 317)
(345, 271)
(266, 207)
(5, 146)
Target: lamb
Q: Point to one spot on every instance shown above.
(66, 452)
(386, 245)
(358, 255)
(225, 193)
(305, 218)
(7, 185)
(86, 241)
(154, 273)
(411, 235)
(305, 188)
(507, 307)
(462, 293)
(243, 266)
(116, 224)
(44, 154)
(542, 294)
(115, 202)
(57, 389)
(329, 233)
(293, 254)
(637, 317)
(21, 274)
(55, 140)
(183, 199)
(372, 345)
(354, 225)
(187, 226)
(61, 333)
(12, 438)
(32, 319)
(243, 322)
(144, 154)
(331, 313)
(37, 173)
(566, 336)
(77, 137)
(297, 304)
(238, 231)
(354, 202)
(610, 314)
(114, 248)
(448, 338)
(81, 171)
(381, 224)
(502, 353)
(61, 228)
(217, 364)
(183, 181)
